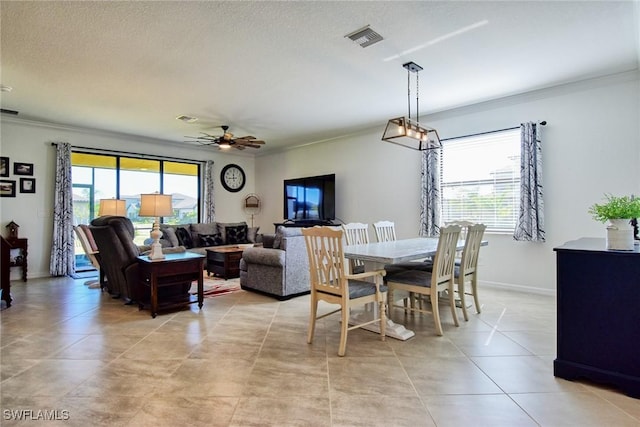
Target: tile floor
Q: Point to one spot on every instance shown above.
(73, 353)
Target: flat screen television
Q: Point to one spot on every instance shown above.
(310, 199)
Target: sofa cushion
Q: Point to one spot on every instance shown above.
(207, 228)
(169, 234)
(236, 234)
(184, 237)
(282, 232)
(210, 239)
(252, 234)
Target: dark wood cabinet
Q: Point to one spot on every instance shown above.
(598, 295)
(224, 262)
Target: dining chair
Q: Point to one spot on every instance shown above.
(467, 269)
(431, 283)
(385, 231)
(331, 283)
(356, 233)
(91, 251)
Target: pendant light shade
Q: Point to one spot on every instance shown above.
(409, 132)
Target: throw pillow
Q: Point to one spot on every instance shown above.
(236, 235)
(169, 234)
(184, 237)
(210, 239)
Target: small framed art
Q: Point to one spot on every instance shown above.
(4, 166)
(7, 188)
(22, 168)
(27, 185)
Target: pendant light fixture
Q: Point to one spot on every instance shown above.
(409, 132)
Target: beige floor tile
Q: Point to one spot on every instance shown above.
(302, 411)
(172, 411)
(50, 378)
(573, 409)
(373, 376)
(524, 374)
(291, 377)
(365, 411)
(491, 410)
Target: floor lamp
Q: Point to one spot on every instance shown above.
(156, 205)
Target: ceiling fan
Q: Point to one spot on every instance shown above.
(227, 140)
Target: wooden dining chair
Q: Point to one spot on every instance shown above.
(430, 283)
(356, 233)
(385, 231)
(331, 283)
(467, 269)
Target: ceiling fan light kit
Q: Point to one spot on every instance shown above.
(406, 131)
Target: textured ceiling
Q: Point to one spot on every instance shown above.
(283, 71)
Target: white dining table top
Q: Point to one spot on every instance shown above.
(397, 251)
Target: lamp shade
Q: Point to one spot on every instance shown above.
(411, 134)
(115, 207)
(155, 205)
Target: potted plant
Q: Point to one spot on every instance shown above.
(619, 211)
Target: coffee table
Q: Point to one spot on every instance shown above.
(224, 262)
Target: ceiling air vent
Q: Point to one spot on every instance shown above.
(187, 119)
(365, 36)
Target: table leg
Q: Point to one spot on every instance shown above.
(392, 329)
(200, 287)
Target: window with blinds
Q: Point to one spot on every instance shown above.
(480, 179)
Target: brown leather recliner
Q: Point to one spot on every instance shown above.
(114, 237)
(118, 257)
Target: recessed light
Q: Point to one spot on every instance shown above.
(187, 119)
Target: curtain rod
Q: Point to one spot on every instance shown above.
(543, 123)
(153, 156)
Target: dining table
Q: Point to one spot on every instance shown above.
(378, 254)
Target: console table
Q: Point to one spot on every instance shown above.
(173, 270)
(598, 303)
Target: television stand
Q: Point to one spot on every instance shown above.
(306, 223)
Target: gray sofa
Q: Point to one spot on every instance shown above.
(197, 237)
(280, 268)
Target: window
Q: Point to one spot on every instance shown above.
(480, 179)
(105, 176)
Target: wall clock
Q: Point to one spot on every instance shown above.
(232, 177)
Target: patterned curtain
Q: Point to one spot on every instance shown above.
(62, 250)
(530, 225)
(209, 214)
(430, 197)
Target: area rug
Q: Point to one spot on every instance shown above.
(215, 286)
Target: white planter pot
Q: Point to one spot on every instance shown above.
(620, 235)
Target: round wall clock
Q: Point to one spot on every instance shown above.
(232, 177)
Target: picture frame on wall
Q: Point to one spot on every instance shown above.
(20, 168)
(27, 185)
(4, 166)
(7, 188)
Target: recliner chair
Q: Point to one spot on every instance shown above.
(118, 257)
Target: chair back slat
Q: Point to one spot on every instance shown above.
(356, 233)
(445, 257)
(326, 260)
(471, 251)
(385, 231)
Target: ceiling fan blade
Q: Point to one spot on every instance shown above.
(246, 137)
(251, 145)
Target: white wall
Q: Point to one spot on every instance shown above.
(30, 142)
(591, 147)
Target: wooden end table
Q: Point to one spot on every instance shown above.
(224, 262)
(174, 269)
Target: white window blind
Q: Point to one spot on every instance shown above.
(480, 179)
